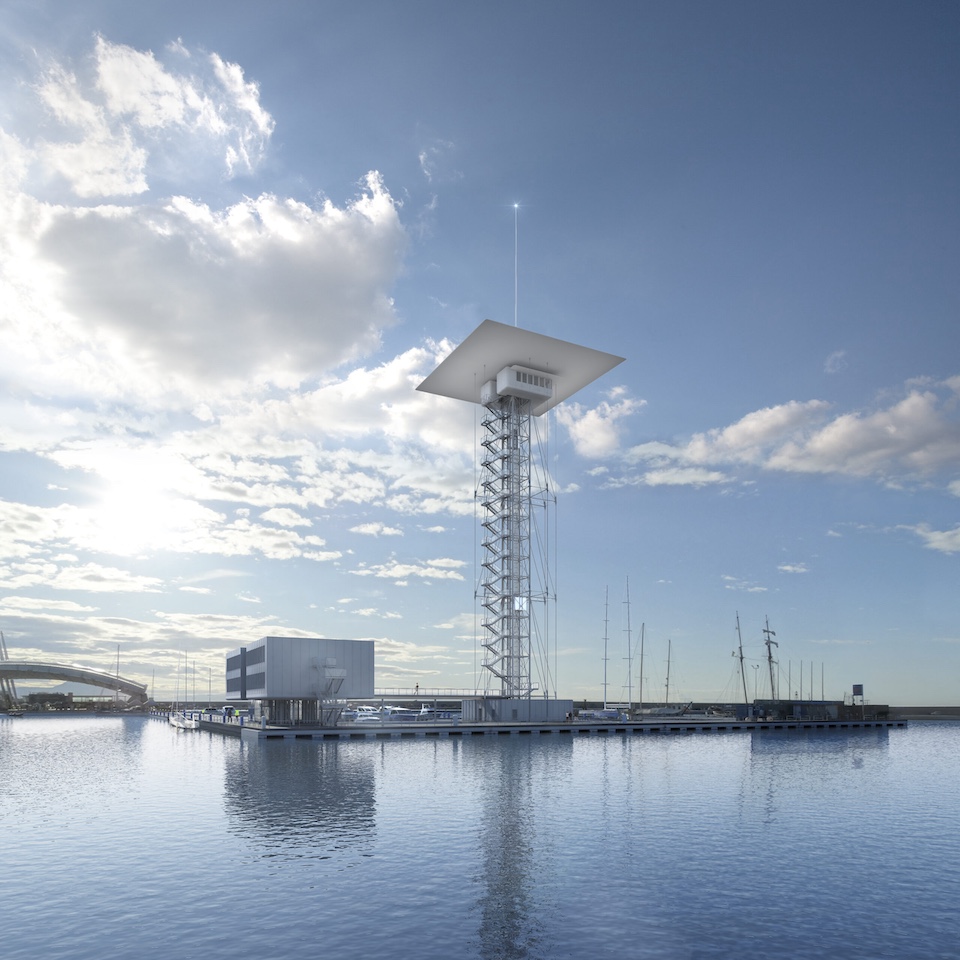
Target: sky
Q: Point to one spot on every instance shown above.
(236, 237)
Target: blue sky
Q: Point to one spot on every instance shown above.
(236, 237)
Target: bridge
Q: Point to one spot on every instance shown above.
(13, 670)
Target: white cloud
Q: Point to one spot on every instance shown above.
(747, 586)
(183, 301)
(224, 573)
(136, 113)
(285, 517)
(374, 612)
(162, 346)
(682, 476)
(376, 529)
(944, 541)
(836, 362)
(595, 432)
(913, 438)
(748, 440)
(86, 577)
(101, 160)
(400, 571)
(174, 302)
(191, 490)
(792, 568)
(916, 436)
(434, 160)
(147, 521)
(37, 603)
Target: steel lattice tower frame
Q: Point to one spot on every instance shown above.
(515, 375)
(505, 499)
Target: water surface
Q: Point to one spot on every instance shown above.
(124, 835)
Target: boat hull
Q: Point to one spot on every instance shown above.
(182, 722)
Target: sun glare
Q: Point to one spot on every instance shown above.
(138, 509)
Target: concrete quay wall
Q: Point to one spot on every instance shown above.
(388, 731)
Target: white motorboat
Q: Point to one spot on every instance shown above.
(384, 714)
(182, 722)
(400, 714)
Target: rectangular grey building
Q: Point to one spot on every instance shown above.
(300, 668)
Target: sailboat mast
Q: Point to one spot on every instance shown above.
(629, 656)
(769, 633)
(743, 675)
(666, 702)
(606, 631)
(640, 679)
(176, 704)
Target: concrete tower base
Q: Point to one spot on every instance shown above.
(501, 710)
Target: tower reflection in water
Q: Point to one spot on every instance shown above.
(514, 899)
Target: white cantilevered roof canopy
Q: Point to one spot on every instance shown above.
(493, 346)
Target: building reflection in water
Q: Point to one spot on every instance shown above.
(785, 766)
(303, 799)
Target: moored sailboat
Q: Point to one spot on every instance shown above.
(667, 709)
(178, 717)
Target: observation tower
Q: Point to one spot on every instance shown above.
(515, 375)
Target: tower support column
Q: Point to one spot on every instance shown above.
(505, 577)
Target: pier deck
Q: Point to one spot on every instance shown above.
(251, 731)
(387, 731)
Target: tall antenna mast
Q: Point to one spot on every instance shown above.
(516, 236)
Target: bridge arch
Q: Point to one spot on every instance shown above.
(136, 693)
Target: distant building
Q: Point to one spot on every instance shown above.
(817, 710)
(300, 679)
